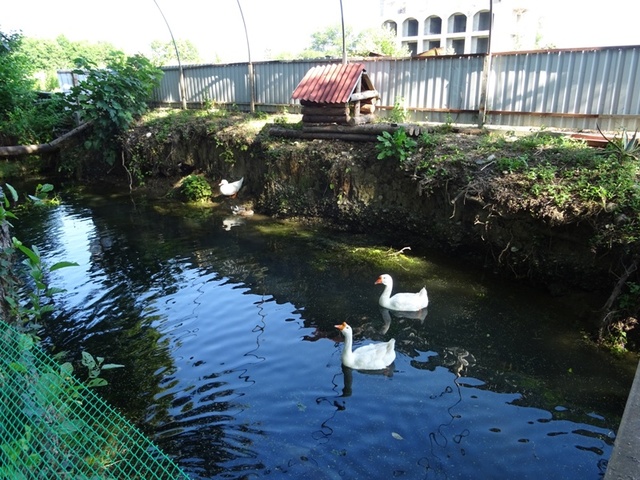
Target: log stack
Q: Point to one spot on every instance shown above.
(339, 94)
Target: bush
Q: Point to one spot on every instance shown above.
(196, 188)
(399, 145)
(112, 98)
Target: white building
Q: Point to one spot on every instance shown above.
(464, 26)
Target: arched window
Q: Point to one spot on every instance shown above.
(482, 21)
(391, 25)
(433, 26)
(457, 23)
(410, 27)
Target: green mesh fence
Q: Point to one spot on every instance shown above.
(54, 427)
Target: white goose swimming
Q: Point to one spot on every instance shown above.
(230, 189)
(376, 356)
(405, 302)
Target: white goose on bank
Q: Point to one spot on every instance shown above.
(230, 189)
(404, 302)
(376, 356)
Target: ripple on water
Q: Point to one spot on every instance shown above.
(243, 383)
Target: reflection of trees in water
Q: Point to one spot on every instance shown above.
(206, 431)
(445, 436)
(322, 435)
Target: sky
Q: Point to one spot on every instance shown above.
(215, 27)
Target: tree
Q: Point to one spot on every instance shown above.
(49, 56)
(165, 53)
(15, 71)
(112, 98)
(382, 41)
(328, 43)
(23, 119)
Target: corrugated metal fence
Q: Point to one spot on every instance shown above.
(574, 89)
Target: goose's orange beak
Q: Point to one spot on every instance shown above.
(341, 327)
(379, 280)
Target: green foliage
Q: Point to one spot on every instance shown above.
(5, 203)
(113, 98)
(25, 118)
(37, 271)
(328, 43)
(512, 164)
(37, 302)
(164, 53)
(16, 88)
(47, 56)
(55, 427)
(381, 41)
(195, 188)
(399, 145)
(624, 147)
(14, 72)
(398, 113)
(94, 366)
(42, 197)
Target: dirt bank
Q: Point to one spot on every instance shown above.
(462, 191)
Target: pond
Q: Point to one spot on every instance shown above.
(226, 330)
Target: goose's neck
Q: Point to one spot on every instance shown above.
(347, 353)
(386, 293)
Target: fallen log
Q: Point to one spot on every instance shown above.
(367, 128)
(351, 137)
(16, 150)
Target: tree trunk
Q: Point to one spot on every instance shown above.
(16, 150)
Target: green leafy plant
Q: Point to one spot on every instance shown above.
(37, 271)
(42, 195)
(112, 98)
(510, 165)
(398, 113)
(624, 147)
(195, 188)
(398, 145)
(5, 203)
(94, 366)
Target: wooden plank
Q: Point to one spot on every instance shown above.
(325, 118)
(326, 110)
(364, 95)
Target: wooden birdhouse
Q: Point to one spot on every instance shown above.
(337, 93)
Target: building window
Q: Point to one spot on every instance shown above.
(458, 23)
(412, 47)
(482, 21)
(391, 25)
(429, 44)
(458, 46)
(433, 26)
(410, 27)
(482, 45)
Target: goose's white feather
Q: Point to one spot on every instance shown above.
(375, 356)
(406, 302)
(230, 189)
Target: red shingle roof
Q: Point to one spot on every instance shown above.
(329, 83)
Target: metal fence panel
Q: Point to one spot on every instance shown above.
(577, 88)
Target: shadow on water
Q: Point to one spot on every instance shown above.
(232, 362)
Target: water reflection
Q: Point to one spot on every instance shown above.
(230, 222)
(233, 367)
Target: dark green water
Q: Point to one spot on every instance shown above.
(232, 361)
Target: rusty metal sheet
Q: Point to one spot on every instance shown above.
(329, 83)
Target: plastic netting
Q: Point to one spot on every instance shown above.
(54, 427)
